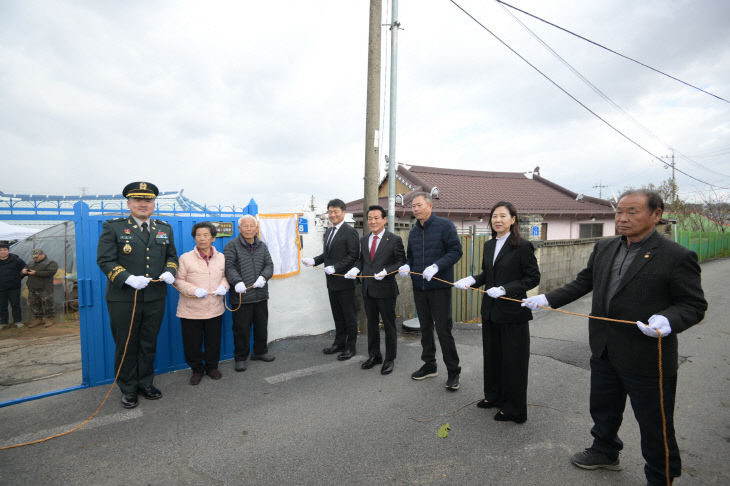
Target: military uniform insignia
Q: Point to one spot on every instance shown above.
(127, 231)
(143, 186)
(127, 249)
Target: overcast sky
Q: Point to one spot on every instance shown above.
(240, 99)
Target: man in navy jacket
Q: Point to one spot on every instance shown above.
(433, 249)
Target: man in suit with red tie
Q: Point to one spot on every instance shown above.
(340, 252)
(381, 252)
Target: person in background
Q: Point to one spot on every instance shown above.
(11, 276)
(637, 276)
(509, 268)
(40, 274)
(201, 273)
(248, 263)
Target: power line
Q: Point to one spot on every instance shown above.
(613, 51)
(637, 144)
(603, 95)
(585, 80)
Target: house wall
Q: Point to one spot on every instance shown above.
(558, 228)
(566, 229)
(400, 188)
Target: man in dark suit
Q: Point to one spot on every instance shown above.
(640, 276)
(381, 252)
(341, 250)
(131, 252)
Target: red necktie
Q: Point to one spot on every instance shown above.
(373, 246)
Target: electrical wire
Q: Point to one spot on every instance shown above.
(600, 93)
(637, 144)
(614, 52)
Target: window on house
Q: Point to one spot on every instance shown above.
(543, 231)
(591, 230)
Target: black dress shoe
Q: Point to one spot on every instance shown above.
(503, 417)
(240, 366)
(263, 357)
(486, 404)
(333, 349)
(129, 400)
(387, 368)
(370, 362)
(345, 355)
(150, 392)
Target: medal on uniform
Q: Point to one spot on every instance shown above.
(127, 249)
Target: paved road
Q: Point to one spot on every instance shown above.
(308, 419)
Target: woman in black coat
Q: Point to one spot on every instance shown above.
(509, 268)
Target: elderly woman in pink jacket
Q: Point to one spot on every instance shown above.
(201, 275)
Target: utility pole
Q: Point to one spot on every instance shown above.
(372, 111)
(600, 187)
(312, 207)
(674, 176)
(392, 161)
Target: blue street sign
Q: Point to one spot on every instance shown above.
(535, 231)
(303, 225)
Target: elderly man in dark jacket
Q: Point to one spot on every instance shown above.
(11, 268)
(248, 268)
(40, 274)
(433, 249)
(638, 276)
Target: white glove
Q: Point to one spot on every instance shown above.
(404, 271)
(352, 273)
(496, 292)
(201, 293)
(221, 290)
(259, 283)
(329, 269)
(380, 275)
(240, 288)
(138, 282)
(465, 283)
(167, 278)
(533, 302)
(309, 262)
(657, 322)
(429, 272)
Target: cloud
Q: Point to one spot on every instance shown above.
(234, 100)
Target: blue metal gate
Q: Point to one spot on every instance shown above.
(97, 345)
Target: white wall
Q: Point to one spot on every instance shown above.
(558, 229)
(563, 229)
(299, 305)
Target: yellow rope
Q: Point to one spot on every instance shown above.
(111, 387)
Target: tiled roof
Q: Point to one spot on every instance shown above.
(475, 192)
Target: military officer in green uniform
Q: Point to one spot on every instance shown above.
(132, 252)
